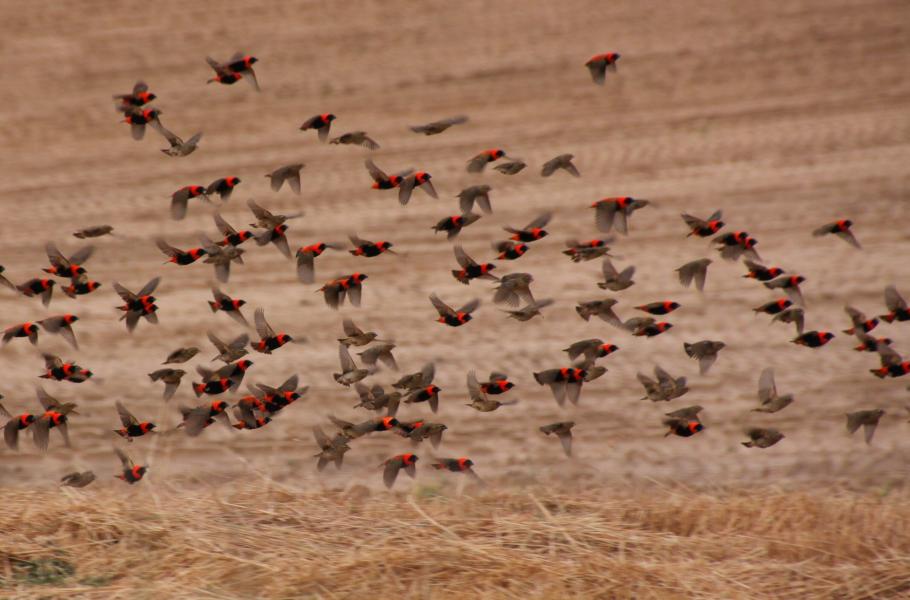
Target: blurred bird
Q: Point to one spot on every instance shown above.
(602, 309)
(513, 167)
(331, 449)
(897, 306)
(141, 304)
(181, 355)
(615, 212)
(790, 286)
(230, 306)
(513, 288)
(813, 339)
(664, 388)
(132, 427)
(178, 146)
(178, 256)
(761, 272)
(614, 280)
(703, 227)
(350, 373)
(287, 173)
(62, 324)
(456, 465)
(450, 316)
(350, 286)
(357, 138)
(306, 258)
(480, 162)
(44, 288)
(774, 307)
(437, 127)
(77, 479)
(697, 271)
(567, 382)
(378, 353)
(526, 313)
(454, 224)
(564, 162)
(471, 269)
(138, 117)
(591, 349)
(841, 229)
(354, 336)
(687, 412)
(415, 381)
(392, 466)
(682, 427)
(181, 197)
(563, 431)
(762, 438)
(734, 245)
(239, 65)
(479, 194)
(138, 97)
(868, 419)
(171, 379)
(229, 352)
(131, 471)
(664, 307)
(585, 251)
(599, 63)
(92, 232)
(369, 249)
(509, 250)
(419, 179)
(381, 181)
(861, 324)
(770, 400)
(224, 187)
(269, 340)
(533, 231)
(321, 123)
(792, 315)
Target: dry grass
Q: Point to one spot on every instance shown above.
(279, 543)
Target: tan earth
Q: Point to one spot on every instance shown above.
(784, 116)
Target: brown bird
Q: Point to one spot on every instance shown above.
(563, 161)
(95, 231)
(615, 212)
(266, 219)
(229, 352)
(687, 412)
(526, 313)
(181, 355)
(61, 324)
(221, 257)
(77, 479)
(454, 224)
(321, 123)
(563, 431)
(171, 379)
(306, 258)
(513, 167)
(350, 373)
(479, 194)
(437, 127)
(418, 380)
(697, 271)
(705, 352)
(379, 353)
(417, 431)
(181, 198)
(331, 449)
(358, 138)
(760, 437)
(792, 315)
(141, 304)
(841, 229)
(377, 399)
(354, 336)
(287, 173)
(664, 388)
(392, 466)
(598, 65)
(868, 419)
(614, 280)
(178, 146)
(480, 162)
(513, 288)
(602, 309)
(770, 400)
(131, 471)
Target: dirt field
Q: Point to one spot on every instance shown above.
(786, 117)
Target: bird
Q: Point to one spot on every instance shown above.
(682, 427)
(533, 231)
(513, 288)
(266, 219)
(479, 399)
(897, 306)
(868, 419)
(566, 382)
(229, 352)
(78, 479)
(437, 127)
(761, 272)
(131, 471)
(513, 167)
(141, 304)
(770, 400)
(353, 431)
(178, 146)
(531, 310)
(181, 355)
(138, 117)
(470, 268)
(331, 449)
(813, 339)
(790, 286)
(598, 65)
(760, 437)
(509, 250)
(321, 123)
(378, 353)
(664, 387)
(132, 427)
(841, 229)
(705, 352)
(350, 373)
(354, 336)
(415, 381)
(288, 173)
(138, 97)
(696, 271)
(615, 212)
(269, 339)
(171, 379)
(62, 266)
(336, 290)
(43, 288)
(94, 231)
(224, 187)
(591, 349)
(417, 431)
(369, 249)
(585, 251)
(357, 138)
(180, 199)
(861, 324)
(703, 227)
(479, 194)
(382, 181)
(62, 324)
(229, 306)
(793, 315)
(240, 65)
(563, 431)
(450, 316)
(454, 224)
(564, 162)
(306, 259)
(457, 465)
(733, 246)
(419, 179)
(615, 280)
(602, 309)
(391, 467)
(479, 162)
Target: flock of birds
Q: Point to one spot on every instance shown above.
(263, 403)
